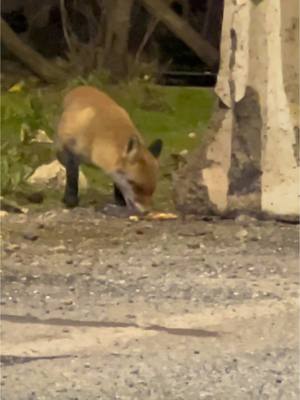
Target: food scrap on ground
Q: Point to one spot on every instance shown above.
(154, 216)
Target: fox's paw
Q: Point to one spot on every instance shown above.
(71, 201)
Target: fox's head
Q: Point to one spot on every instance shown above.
(137, 177)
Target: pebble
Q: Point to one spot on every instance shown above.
(255, 238)
(245, 219)
(193, 245)
(30, 235)
(68, 302)
(241, 234)
(61, 247)
(37, 197)
(85, 263)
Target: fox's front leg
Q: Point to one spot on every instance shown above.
(71, 164)
(118, 196)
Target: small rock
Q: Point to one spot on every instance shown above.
(3, 213)
(36, 197)
(241, 234)
(255, 238)
(193, 245)
(41, 137)
(68, 302)
(183, 153)
(58, 248)
(30, 235)
(85, 263)
(54, 175)
(192, 135)
(245, 219)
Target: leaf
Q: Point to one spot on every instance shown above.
(17, 87)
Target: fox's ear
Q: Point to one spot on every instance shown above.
(155, 148)
(133, 148)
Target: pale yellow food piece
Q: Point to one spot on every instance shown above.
(154, 216)
(134, 218)
(161, 216)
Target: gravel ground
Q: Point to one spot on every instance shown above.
(96, 307)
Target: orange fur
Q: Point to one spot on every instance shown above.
(97, 130)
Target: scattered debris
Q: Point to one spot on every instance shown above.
(153, 216)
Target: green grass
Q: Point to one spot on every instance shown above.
(169, 113)
(21, 115)
(186, 110)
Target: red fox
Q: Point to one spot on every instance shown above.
(94, 129)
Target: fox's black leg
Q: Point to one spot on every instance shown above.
(71, 163)
(119, 198)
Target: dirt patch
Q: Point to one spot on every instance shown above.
(103, 306)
